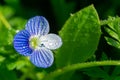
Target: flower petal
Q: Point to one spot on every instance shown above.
(42, 58)
(37, 25)
(51, 41)
(21, 43)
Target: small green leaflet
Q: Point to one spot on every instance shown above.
(113, 30)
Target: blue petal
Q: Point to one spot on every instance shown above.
(21, 43)
(37, 25)
(42, 58)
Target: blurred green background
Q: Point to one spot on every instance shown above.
(16, 67)
(58, 11)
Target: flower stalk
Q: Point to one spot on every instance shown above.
(73, 67)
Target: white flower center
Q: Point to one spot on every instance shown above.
(35, 42)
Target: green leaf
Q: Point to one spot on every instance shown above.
(96, 72)
(5, 74)
(21, 62)
(2, 58)
(117, 78)
(7, 11)
(104, 56)
(14, 4)
(80, 36)
(5, 28)
(114, 31)
(11, 65)
(17, 23)
(116, 71)
(7, 37)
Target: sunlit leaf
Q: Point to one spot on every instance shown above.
(80, 36)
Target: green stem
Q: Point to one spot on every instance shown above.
(4, 21)
(69, 68)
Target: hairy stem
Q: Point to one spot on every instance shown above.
(58, 72)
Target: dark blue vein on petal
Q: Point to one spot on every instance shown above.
(41, 61)
(44, 29)
(31, 24)
(21, 43)
(35, 59)
(37, 25)
(40, 58)
(46, 57)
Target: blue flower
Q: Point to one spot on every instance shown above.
(35, 42)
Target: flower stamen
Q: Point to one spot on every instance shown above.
(34, 42)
